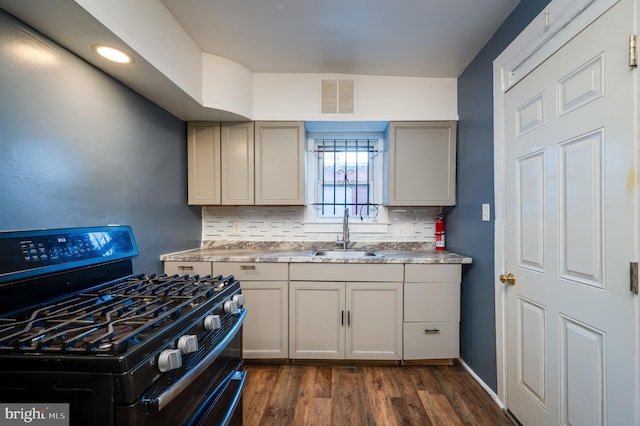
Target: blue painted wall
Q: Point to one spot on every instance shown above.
(466, 233)
(78, 148)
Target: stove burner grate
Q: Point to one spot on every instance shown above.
(109, 319)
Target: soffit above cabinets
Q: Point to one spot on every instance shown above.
(180, 47)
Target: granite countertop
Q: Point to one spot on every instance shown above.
(424, 253)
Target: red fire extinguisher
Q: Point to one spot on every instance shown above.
(439, 233)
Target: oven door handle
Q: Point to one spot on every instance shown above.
(234, 388)
(170, 394)
(240, 377)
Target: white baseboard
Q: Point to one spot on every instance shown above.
(490, 391)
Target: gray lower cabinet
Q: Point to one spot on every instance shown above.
(265, 333)
(345, 311)
(431, 312)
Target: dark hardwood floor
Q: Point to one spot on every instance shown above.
(294, 394)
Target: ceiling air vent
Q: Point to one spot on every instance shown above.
(338, 96)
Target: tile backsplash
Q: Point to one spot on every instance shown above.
(275, 223)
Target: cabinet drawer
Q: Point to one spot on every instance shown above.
(253, 271)
(371, 272)
(432, 273)
(190, 268)
(431, 302)
(431, 340)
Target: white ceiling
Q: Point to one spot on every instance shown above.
(422, 38)
(410, 38)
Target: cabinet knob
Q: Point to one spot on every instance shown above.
(432, 331)
(248, 267)
(508, 279)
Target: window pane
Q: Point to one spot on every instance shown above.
(345, 176)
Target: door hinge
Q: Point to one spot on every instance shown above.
(633, 50)
(633, 277)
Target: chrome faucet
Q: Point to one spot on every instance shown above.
(345, 230)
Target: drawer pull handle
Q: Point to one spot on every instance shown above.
(432, 331)
(185, 267)
(248, 267)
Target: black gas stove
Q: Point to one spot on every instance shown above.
(77, 328)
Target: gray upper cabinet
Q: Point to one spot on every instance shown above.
(246, 163)
(237, 163)
(421, 164)
(279, 151)
(203, 163)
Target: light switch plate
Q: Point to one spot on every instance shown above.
(486, 212)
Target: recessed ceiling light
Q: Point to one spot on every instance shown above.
(112, 54)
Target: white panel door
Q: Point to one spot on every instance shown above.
(571, 232)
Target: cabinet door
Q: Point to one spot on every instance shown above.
(316, 318)
(237, 163)
(421, 164)
(265, 329)
(279, 150)
(203, 163)
(374, 321)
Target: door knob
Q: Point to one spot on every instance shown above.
(508, 279)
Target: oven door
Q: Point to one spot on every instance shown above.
(209, 395)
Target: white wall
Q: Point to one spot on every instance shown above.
(217, 84)
(226, 85)
(282, 96)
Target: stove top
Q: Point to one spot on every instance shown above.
(111, 318)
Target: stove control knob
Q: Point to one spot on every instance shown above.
(230, 306)
(212, 322)
(169, 359)
(239, 299)
(188, 343)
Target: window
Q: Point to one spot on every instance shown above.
(344, 172)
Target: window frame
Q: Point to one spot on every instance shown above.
(375, 224)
